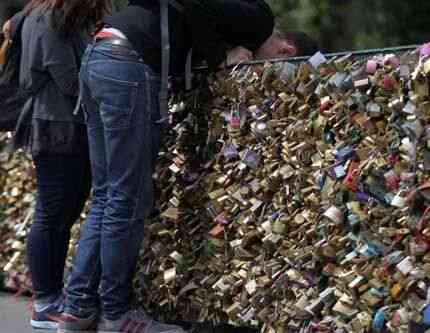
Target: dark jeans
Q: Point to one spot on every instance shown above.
(63, 184)
(120, 98)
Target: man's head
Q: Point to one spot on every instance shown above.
(286, 44)
(274, 47)
(304, 44)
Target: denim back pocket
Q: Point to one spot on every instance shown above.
(116, 99)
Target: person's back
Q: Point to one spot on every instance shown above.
(140, 22)
(120, 77)
(56, 139)
(210, 27)
(49, 68)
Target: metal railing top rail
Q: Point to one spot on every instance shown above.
(356, 54)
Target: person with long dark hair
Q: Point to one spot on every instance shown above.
(54, 37)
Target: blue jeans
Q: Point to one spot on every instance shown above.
(63, 184)
(120, 100)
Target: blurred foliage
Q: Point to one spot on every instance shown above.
(340, 25)
(118, 4)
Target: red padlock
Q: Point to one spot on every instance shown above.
(217, 231)
(351, 179)
(388, 82)
(326, 104)
(392, 181)
(393, 159)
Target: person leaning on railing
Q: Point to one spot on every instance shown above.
(121, 79)
(302, 44)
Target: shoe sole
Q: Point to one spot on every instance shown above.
(44, 325)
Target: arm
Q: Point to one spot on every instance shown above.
(201, 17)
(219, 25)
(6, 30)
(6, 43)
(60, 60)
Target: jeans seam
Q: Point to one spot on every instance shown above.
(125, 126)
(148, 105)
(106, 78)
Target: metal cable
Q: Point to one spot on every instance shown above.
(354, 54)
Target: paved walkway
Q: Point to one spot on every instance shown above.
(14, 316)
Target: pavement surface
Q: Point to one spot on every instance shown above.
(14, 316)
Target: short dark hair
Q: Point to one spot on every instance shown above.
(304, 44)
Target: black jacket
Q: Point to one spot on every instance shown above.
(210, 27)
(50, 66)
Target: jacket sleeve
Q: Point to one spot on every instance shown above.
(202, 20)
(217, 25)
(60, 60)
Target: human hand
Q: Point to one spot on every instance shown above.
(237, 55)
(7, 30)
(6, 43)
(234, 57)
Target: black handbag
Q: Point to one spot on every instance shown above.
(12, 97)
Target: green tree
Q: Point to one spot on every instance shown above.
(351, 24)
(340, 25)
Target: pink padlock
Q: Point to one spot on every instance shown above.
(392, 60)
(393, 159)
(388, 82)
(396, 321)
(425, 50)
(235, 122)
(371, 67)
(392, 181)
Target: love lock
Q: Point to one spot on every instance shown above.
(352, 177)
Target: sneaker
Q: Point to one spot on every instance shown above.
(136, 322)
(48, 317)
(71, 324)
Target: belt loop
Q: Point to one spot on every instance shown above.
(92, 46)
